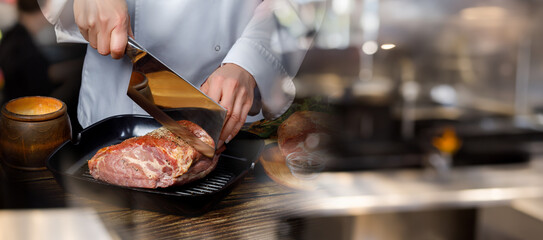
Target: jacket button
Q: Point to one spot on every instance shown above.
(217, 48)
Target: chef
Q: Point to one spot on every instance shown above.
(233, 49)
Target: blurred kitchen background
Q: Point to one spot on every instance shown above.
(407, 75)
(430, 84)
(433, 100)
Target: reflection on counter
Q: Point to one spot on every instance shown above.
(305, 166)
(52, 224)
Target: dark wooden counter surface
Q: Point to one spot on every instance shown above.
(258, 208)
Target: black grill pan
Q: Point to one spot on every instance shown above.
(69, 166)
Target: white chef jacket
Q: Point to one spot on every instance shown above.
(193, 37)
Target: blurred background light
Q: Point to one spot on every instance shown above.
(388, 46)
(444, 94)
(483, 13)
(341, 6)
(370, 47)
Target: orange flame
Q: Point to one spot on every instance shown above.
(448, 142)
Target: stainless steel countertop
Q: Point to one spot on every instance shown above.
(416, 189)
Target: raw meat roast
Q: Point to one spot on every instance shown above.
(157, 159)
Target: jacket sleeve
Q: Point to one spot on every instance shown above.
(60, 13)
(270, 54)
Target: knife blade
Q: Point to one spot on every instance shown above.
(168, 97)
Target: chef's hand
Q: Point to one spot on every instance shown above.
(232, 87)
(105, 24)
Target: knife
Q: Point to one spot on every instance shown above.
(168, 98)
